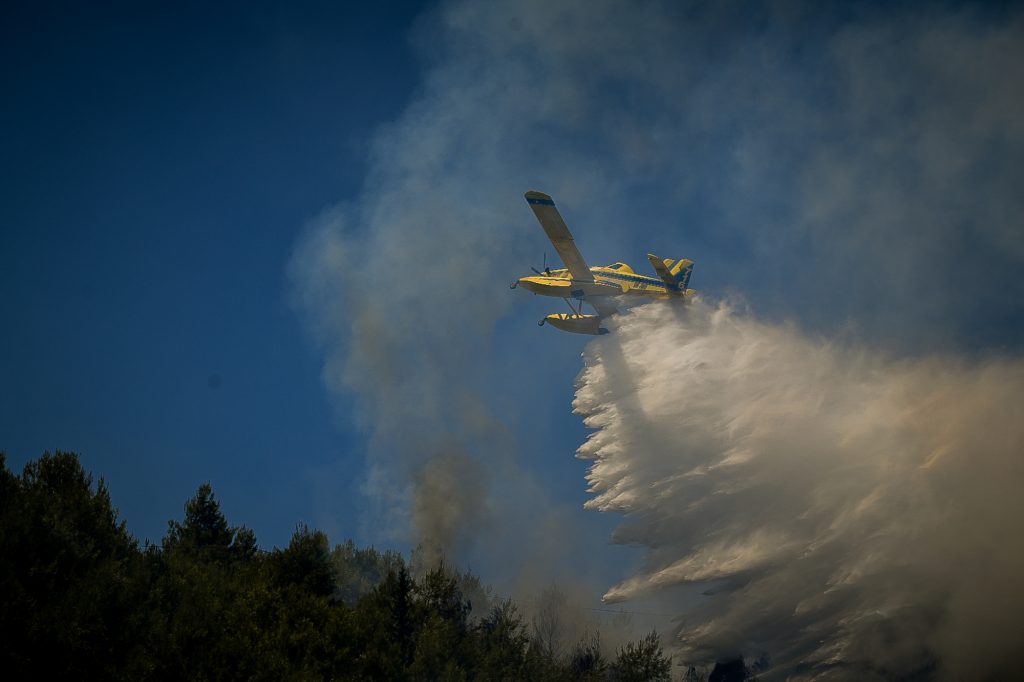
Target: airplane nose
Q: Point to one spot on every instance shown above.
(514, 284)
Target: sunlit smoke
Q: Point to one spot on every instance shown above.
(857, 170)
(848, 511)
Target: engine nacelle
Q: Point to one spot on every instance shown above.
(577, 324)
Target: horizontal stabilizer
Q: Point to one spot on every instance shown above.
(675, 274)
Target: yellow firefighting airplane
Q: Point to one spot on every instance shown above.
(598, 285)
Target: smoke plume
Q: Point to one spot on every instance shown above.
(852, 513)
(856, 169)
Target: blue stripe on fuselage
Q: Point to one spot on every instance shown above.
(535, 200)
(640, 279)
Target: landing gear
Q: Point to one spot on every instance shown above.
(574, 310)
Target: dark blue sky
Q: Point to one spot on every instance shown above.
(158, 165)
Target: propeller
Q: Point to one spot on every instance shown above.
(547, 270)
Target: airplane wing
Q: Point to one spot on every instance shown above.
(550, 219)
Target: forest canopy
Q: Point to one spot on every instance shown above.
(83, 599)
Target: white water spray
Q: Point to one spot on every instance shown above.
(851, 514)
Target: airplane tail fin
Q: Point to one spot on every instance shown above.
(681, 272)
(676, 274)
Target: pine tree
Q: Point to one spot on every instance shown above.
(641, 661)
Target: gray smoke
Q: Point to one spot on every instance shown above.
(392, 345)
(445, 513)
(853, 169)
(852, 513)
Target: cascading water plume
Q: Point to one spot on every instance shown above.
(851, 514)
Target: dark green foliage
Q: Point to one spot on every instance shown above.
(641, 661)
(359, 571)
(205, 531)
(200, 593)
(503, 644)
(305, 563)
(587, 662)
(65, 569)
(442, 648)
(81, 600)
(386, 628)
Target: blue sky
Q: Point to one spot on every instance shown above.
(270, 248)
(158, 167)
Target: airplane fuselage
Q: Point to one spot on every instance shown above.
(614, 280)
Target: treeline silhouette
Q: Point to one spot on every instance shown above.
(81, 599)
